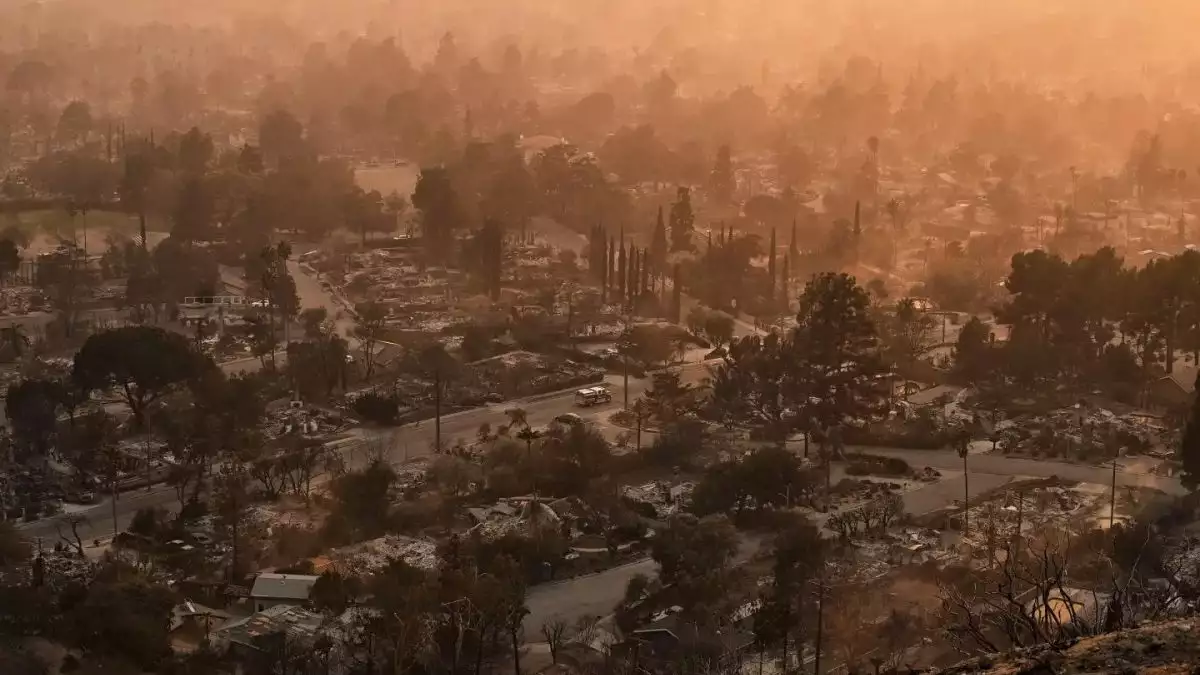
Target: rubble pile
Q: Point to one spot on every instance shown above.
(1184, 560)
(513, 516)
(20, 300)
(875, 558)
(59, 567)
(1037, 508)
(303, 421)
(855, 490)
(370, 557)
(1086, 434)
(666, 498)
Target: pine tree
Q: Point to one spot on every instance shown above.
(611, 273)
(683, 221)
(1189, 448)
(658, 246)
(771, 271)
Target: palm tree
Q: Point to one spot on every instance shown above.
(528, 435)
(962, 445)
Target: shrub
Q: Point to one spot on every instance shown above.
(863, 465)
(908, 438)
(377, 408)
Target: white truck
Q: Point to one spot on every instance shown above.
(592, 396)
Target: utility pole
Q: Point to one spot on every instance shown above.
(1112, 499)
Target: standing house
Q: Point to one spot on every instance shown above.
(270, 590)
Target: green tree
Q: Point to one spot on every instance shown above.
(718, 328)
(362, 502)
(195, 208)
(752, 385)
(770, 477)
(795, 167)
(10, 257)
(695, 556)
(906, 336)
(836, 336)
(658, 246)
(137, 175)
(313, 321)
(668, 398)
(973, 352)
(788, 603)
(488, 254)
(195, 152)
(142, 363)
(14, 340)
(126, 618)
(231, 503)
(370, 326)
(281, 138)
(317, 367)
(75, 123)
(32, 410)
(442, 211)
(14, 549)
(683, 221)
(1189, 447)
(512, 197)
(722, 183)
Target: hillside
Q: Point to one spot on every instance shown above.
(1170, 648)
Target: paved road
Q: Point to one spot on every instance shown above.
(1000, 465)
(988, 472)
(595, 595)
(395, 445)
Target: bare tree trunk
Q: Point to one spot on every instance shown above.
(516, 646)
(966, 494)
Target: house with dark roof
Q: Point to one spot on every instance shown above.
(270, 590)
(265, 631)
